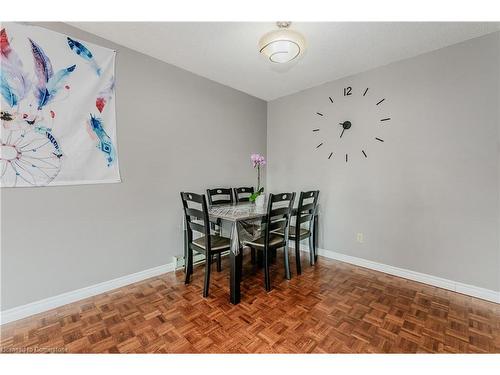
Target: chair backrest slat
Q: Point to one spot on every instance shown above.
(280, 224)
(305, 218)
(196, 227)
(192, 197)
(193, 212)
(219, 196)
(307, 207)
(242, 194)
(281, 197)
(281, 211)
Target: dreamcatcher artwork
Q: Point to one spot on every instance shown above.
(58, 121)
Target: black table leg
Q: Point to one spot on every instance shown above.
(235, 271)
(315, 237)
(240, 265)
(234, 283)
(185, 248)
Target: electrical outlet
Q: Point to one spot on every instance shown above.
(359, 237)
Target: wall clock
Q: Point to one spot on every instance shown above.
(350, 123)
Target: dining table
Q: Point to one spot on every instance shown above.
(245, 221)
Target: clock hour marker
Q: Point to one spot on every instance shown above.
(346, 157)
(331, 154)
(378, 139)
(331, 100)
(319, 114)
(318, 146)
(365, 91)
(380, 101)
(315, 130)
(364, 153)
(386, 119)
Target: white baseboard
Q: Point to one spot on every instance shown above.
(470, 290)
(36, 307)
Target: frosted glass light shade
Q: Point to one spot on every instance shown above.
(282, 46)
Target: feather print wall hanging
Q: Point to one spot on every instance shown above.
(58, 122)
(48, 84)
(84, 53)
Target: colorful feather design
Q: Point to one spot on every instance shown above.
(47, 132)
(4, 43)
(105, 95)
(105, 143)
(84, 53)
(43, 66)
(5, 48)
(12, 67)
(57, 81)
(48, 83)
(43, 71)
(9, 96)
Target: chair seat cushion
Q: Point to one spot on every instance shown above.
(218, 243)
(274, 240)
(291, 232)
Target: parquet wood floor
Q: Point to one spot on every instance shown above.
(331, 308)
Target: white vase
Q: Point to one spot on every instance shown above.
(259, 201)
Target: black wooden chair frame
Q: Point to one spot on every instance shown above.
(276, 219)
(191, 215)
(244, 190)
(213, 193)
(306, 214)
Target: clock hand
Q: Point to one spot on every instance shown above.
(341, 134)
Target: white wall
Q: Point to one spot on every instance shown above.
(176, 131)
(427, 199)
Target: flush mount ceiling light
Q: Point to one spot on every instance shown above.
(282, 45)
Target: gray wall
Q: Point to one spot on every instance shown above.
(427, 199)
(498, 148)
(176, 131)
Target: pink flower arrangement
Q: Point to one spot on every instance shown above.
(257, 162)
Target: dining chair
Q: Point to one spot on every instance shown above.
(306, 210)
(279, 210)
(219, 196)
(215, 197)
(197, 220)
(242, 194)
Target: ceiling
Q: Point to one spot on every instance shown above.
(226, 52)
